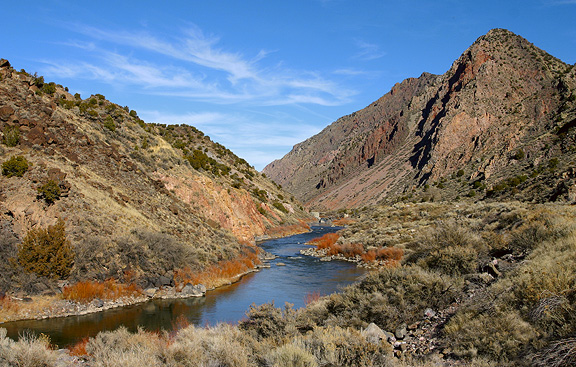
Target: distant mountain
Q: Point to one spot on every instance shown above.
(134, 196)
(499, 124)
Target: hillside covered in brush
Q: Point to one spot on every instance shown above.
(134, 197)
(499, 124)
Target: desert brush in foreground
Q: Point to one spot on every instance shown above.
(488, 284)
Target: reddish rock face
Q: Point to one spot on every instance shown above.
(503, 94)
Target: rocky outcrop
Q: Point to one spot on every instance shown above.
(504, 109)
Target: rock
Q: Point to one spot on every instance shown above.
(190, 290)
(150, 292)
(400, 332)
(6, 112)
(201, 287)
(280, 264)
(429, 313)
(267, 256)
(97, 302)
(162, 281)
(390, 337)
(326, 258)
(374, 334)
(491, 269)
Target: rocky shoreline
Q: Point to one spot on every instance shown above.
(44, 307)
(322, 254)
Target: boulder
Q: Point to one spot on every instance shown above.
(429, 313)
(162, 281)
(374, 334)
(491, 269)
(190, 290)
(401, 332)
(97, 302)
(150, 292)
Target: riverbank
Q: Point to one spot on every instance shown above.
(54, 306)
(184, 284)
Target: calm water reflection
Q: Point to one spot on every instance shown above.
(290, 283)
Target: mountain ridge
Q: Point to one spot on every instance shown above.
(496, 98)
(147, 199)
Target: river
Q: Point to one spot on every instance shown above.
(293, 282)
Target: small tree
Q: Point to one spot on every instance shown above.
(15, 166)
(50, 191)
(11, 136)
(47, 252)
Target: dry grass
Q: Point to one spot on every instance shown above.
(218, 274)
(29, 351)
(288, 230)
(343, 221)
(110, 289)
(12, 309)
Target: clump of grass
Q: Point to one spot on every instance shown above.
(28, 351)
(291, 355)
(501, 335)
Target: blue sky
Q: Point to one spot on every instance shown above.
(259, 76)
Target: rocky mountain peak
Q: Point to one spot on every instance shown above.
(502, 95)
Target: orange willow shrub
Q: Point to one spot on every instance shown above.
(327, 241)
(312, 297)
(343, 221)
(346, 250)
(79, 349)
(109, 290)
(215, 274)
(390, 255)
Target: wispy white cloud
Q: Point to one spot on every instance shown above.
(195, 68)
(256, 138)
(368, 51)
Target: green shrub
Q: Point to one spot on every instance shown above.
(11, 136)
(50, 191)
(499, 335)
(47, 252)
(266, 321)
(109, 123)
(291, 355)
(519, 154)
(15, 166)
(280, 206)
(389, 297)
(453, 260)
(335, 346)
(49, 88)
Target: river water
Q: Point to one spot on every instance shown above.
(300, 277)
